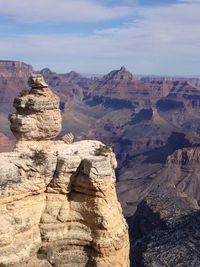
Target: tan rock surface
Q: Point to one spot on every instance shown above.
(67, 208)
(63, 211)
(38, 115)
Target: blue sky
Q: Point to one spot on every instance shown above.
(96, 36)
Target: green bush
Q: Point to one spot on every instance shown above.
(39, 157)
(103, 150)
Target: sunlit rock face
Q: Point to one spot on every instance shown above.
(37, 114)
(60, 209)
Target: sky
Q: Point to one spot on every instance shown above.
(160, 37)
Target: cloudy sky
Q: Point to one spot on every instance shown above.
(96, 36)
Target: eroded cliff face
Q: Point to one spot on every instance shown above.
(165, 230)
(60, 209)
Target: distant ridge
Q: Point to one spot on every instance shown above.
(121, 75)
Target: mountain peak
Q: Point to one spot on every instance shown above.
(73, 73)
(123, 68)
(46, 71)
(120, 75)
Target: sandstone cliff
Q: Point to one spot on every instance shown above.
(181, 171)
(58, 204)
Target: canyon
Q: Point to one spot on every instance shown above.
(153, 126)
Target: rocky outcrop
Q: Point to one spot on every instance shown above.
(58, 203)
(180, 171)
(165, 229)
(184, 157)
(68, 138)
(38, 115)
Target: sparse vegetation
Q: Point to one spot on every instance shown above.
(39, 157)
(103, 150)
(24, 92)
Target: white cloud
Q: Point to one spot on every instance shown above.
(62, 10)
(165, 40)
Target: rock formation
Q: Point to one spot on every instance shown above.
(68, 138)
(38, 115)
(165, 229)
(182, 171)
(58, 203)
(120, 75)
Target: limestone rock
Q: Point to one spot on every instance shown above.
(58, 203)
(38, 116)
(37, 81)
(65, 211)
(68, 138)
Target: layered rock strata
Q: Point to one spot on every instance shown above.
(38, 115)
(58, 204)
(165, 230)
